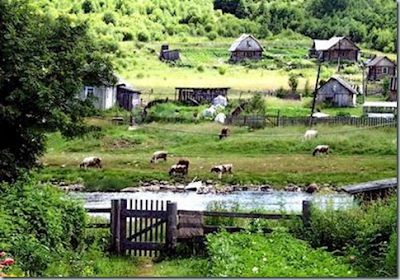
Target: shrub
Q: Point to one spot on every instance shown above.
(222, 70)
(343, 114)
(276, 255)
(143, 36)
(212, 36)
(350, 70)
(200, 68)
(87, 6)
(109, 17)
(140, 75)
(293, 82)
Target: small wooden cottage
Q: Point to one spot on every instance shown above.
(107, 96)
(393, 89)
(168, 55)
(199, 95)
(372, 190)
(380, 67)
(337, 92)
(334, 49)
(245, 47)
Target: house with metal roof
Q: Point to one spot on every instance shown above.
(337, 92)
(245, 47)
(334, 49)
(380, 67)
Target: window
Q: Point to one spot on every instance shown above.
(89, 91)
(385, 70)
(249, 44)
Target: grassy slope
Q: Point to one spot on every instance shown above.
(272, 155)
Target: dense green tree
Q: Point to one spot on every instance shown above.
(293, 82)
(44, 64)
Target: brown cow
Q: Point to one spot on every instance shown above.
(159, 155)
(224, 133)
(178, 169)
(183, 162)
(321, 149)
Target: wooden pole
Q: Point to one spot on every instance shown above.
(171, 234)
(306, 213)
(315, 94)
(364, 83)
(121, 226)
(113, 223)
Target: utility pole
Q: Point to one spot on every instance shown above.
(364, 82)
(320, 59)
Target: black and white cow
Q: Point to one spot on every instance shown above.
(321, 149)
(159, 155)
(221, 169)
(91, 162)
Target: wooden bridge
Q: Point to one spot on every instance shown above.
(147, 227)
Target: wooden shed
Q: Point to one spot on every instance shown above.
(393, 89)
(334, 49)
(380, 67)
(128, 97)
(245, 47)
(338, 93)
(199, 95)
(168, 55)
(372, 190)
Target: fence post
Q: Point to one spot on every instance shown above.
(171, 234)
(121, 226)
(113, 224)
(306, 212)
(279, 118)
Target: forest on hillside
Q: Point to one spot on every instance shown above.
(372, 23)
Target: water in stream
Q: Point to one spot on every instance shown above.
(275, 200)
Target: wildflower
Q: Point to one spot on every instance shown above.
(264, 259)
(7, 261)
(2, 254)
(255, 269)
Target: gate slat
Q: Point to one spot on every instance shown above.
(140, 226)
(146, 224)
(151, 224)
(136, 225)
(130, 222)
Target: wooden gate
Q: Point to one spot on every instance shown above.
(145, 228)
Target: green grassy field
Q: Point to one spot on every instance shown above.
(273, 155)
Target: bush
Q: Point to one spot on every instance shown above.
(276, 255)
(39, 224)
(87, 7)
(350, 70)
(363, 231)
(200, 68)
(222, 70)
(109, 17)
(212, 36)
(143, 36)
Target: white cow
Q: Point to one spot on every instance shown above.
(310, 134)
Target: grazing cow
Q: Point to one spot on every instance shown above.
(224, 133)
(310, 134)
(91, 162)
(221, 169)
(321, 149)
(159, 155)
(184, 162)
(178, 169)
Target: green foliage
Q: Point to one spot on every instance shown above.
(350, 70)
(391, 264)
(222, 70)
(385, 86)
(212, 36)
(40, 225)
(39, 84)
(363, 231)
(87, 6)
(274, 255)
(293, 82)
(109, 17)
(143, 36)
(256, 105)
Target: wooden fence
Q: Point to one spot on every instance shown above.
(149, 227)
(276, 120)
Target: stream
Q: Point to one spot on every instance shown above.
(249, 200)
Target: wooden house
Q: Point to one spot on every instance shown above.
(168, 55)
(380, 67)
(334, 49)
(372, 190)
(199, 95)
(107, 96)
(393, 89)
(337, 92)
(245, 47)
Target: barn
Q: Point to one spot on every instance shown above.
(337, 92)
(245, 47)
(334, 49)
(199, 95)
(380, 67)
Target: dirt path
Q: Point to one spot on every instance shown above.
(146, 268)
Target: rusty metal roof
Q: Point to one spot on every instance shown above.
(371, 186)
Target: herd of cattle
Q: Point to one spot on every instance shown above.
(182, 167)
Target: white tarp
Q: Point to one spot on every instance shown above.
(209, 112)
(220, 100)
(320, 115)
(220, 118)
